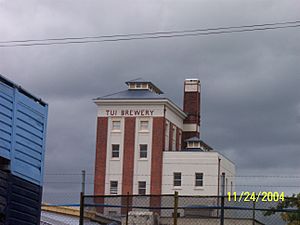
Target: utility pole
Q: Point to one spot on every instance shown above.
(81, 218)
(218, 191)
(222, 199)
(83, 182)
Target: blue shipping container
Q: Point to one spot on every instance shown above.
(4, 183)
(20, 200)
(24, 202)
(23, 122)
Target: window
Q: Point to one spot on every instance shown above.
(113, 187)
(112, 213)
(179, 140)
(144, 125)
(116, 125)
(199, 179)
(177, 179)
(167, 137)
(174, 138)
(115, 151)
(143, 151)
(138, 85)
(194, 144)
(142, 187)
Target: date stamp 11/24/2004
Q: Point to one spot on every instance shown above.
(263, 196)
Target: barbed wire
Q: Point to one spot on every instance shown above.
(206, 185)
(184, 175)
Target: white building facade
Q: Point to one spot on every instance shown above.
(146, 144)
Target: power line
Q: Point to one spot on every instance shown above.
(150, 35)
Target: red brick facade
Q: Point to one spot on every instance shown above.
(157, 158)
(191, 106)
(128, 157)
(100, 164)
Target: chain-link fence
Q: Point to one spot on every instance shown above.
(186, 210)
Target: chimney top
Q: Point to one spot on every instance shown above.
(192, 79)
(192, 85)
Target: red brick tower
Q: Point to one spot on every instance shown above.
(191, 106)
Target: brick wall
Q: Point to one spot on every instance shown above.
(191, 106)
(128, 157)
(128, 161)
(100, 162)
(157, 159)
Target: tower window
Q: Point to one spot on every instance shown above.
(144, 125)
(143, 151)
(177, 179)
(116, 125)
(142, 187)
(115, 151)
(113, 187)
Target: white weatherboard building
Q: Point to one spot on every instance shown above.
(146, 144)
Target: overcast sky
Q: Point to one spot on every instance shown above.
(250, 96)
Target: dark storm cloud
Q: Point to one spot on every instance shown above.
(250, 98)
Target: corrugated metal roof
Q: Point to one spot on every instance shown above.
(49, 218)
(193, 139)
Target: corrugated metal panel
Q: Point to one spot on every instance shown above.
(51, 218)
(3, 195)
(6, 120)
(29, 148)
(24, 205)
(23, 120)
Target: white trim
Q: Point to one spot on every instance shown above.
(199, 188)
(190, 127)
(175, 108)
(177, 188)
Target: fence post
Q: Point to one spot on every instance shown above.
(127, 208)
(253, 213)
(175, 213)
(222, 200)
(81, 217)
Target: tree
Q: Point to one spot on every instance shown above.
(290, 216)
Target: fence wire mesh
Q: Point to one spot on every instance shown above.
(184, 210)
